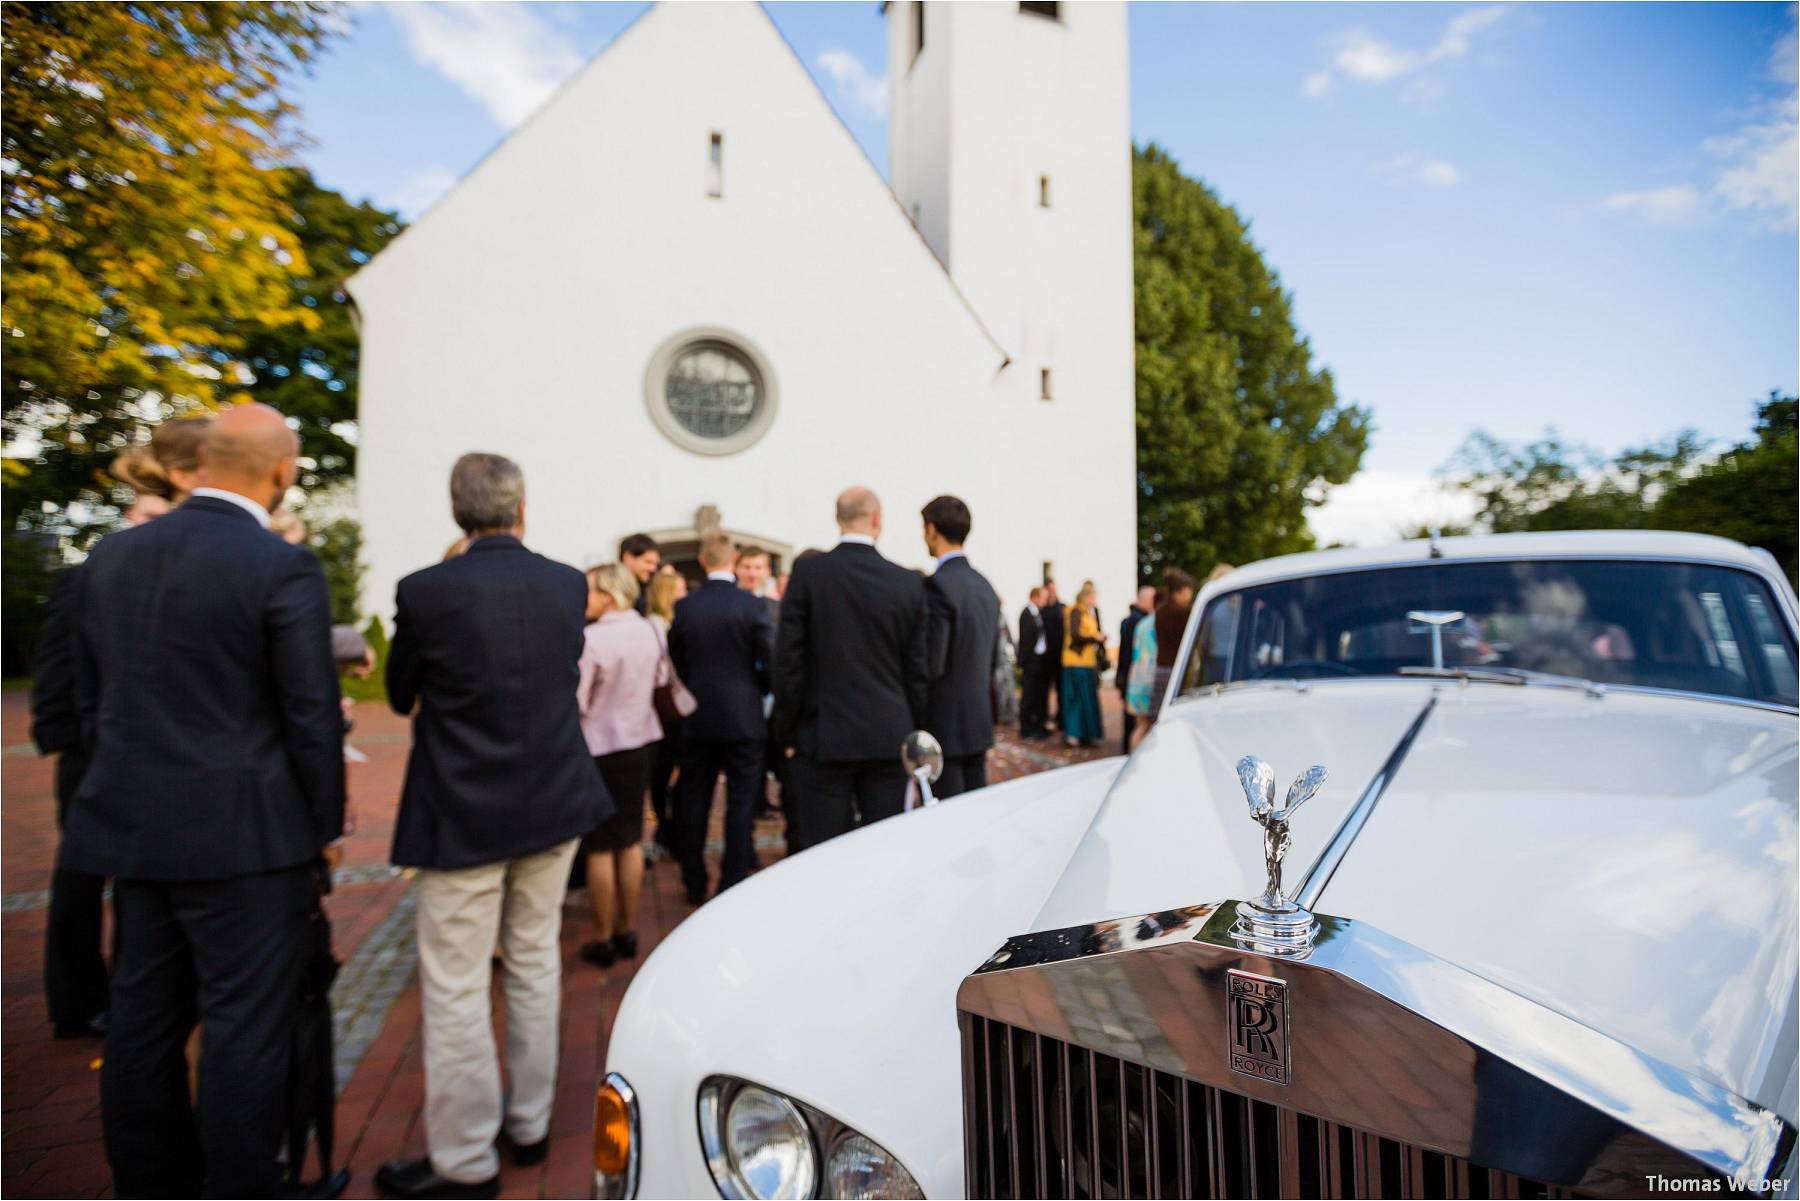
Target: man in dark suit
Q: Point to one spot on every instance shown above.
(209, 703)
(1034, 667)
(499, 789)
(722, 645)
(75, 981)
(851, 676)
(1142, 607)
(1053, 632)
(965, 643)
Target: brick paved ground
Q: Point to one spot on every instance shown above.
(49, 1090)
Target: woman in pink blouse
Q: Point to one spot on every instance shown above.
(622, 663)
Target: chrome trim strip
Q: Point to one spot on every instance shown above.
(1215, 690)
(1306, 895)
(1386, 1038)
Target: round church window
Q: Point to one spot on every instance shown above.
(710, 391)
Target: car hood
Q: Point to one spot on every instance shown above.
(832, 975)
(1627, 860)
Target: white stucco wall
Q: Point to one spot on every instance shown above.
(520, 313)
(1022, 96)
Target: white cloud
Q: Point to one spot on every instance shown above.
(1759, 162)
(501, 53)
(1364, 58)
(1378, 507)
(1761, 174)
(1435, 173)
(1659, 206)
(1367, 59)
(419, 191)
(1413, 168)
(861, 89)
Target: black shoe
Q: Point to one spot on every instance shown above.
(625, 945)
(327, 1188)
(530, 1155)
(94, 1027)
(696, 896)
(600, 954)
(416, 1178)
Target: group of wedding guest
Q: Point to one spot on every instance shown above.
(202, 771)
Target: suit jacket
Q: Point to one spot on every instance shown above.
(209, 702)
(55, 710)
(723, 649)
(1031, 628)
(488, 646)
(965, 641)
(851, 667)
(1127, 630)
(1053, 629)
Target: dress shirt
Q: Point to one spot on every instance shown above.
(1041, 646)
(724, 577)
(621, 666)
(859, 539)
(241, 501)
(949, 555)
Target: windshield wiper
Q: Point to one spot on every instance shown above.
(1507, 675)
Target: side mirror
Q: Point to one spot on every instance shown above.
(923, 757)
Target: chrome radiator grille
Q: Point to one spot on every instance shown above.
(1042, 1118)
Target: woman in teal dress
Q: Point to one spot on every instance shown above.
(1082, 646)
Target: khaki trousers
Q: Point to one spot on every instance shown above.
(460, 914)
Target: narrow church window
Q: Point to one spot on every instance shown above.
(918, 9)
(715, 166)
(1044, 384)
(1043, 191)
(1049, 571)
(1041, 9)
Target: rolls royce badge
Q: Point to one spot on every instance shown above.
(1256, 1013)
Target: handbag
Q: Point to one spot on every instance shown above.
(672, 700)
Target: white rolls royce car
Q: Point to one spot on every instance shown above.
(1524, 924)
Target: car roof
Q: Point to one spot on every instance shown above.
(1571, 544)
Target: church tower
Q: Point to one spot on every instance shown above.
(1009, 146)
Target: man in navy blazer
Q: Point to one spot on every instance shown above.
(499, 789)
(722, 645)
(209, 705)
(965, 644)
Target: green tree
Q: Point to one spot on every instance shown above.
(1235, 425)
(143, 231)
(1750, 491)
(310, 373)
(1551, 484)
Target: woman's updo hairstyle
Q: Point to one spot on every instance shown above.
(174, 446)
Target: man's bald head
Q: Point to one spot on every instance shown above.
(250, 451)
(859, 511)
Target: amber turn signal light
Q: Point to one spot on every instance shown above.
(612, 1131)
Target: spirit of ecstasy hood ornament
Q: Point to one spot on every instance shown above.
(1272, 924)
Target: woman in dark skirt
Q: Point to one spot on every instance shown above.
(621, 666)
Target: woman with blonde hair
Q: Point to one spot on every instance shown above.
(1083, 644)
(622, 662)
(168, 467)
(666, 587)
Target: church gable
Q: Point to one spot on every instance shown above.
(698, 134)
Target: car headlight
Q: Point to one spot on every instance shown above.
(761, 1145)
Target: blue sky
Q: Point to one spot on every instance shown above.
(1504, 216)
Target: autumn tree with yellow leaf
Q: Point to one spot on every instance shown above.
(144, 232)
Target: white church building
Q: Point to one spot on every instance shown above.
(680, 294)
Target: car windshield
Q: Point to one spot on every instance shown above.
(1689, 627)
